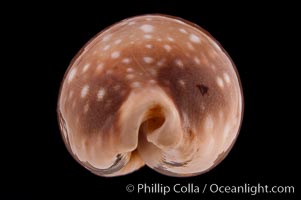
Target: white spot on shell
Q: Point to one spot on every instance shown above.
(100, 94)
(116, 87)
(159, 39)
(106, 38)
(72, 74)
(130, 76)
(227, 78)
(147, 36)
(99, 67)
(149, 46)
(190, 46)
(86, 67)
(179, 63)
(160, 63)
(106, 47)
(152, 72)
(148, 60)
(148, 19)
(181, 82)
(86, 108)
(132, 23)
(115, 54)
(135, 84)
(167, 47)
(126, 60)
(197, 60)
(147, 28)
(84, 91)
(118, 41)
(183, 30)
(220, 82)
(194, 38)
(152, 81)
(170, 39)
(129, 70)
(203, 107)
(109, 72)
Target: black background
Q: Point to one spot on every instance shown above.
(260, 40)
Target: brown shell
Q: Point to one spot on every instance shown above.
(151, 89)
